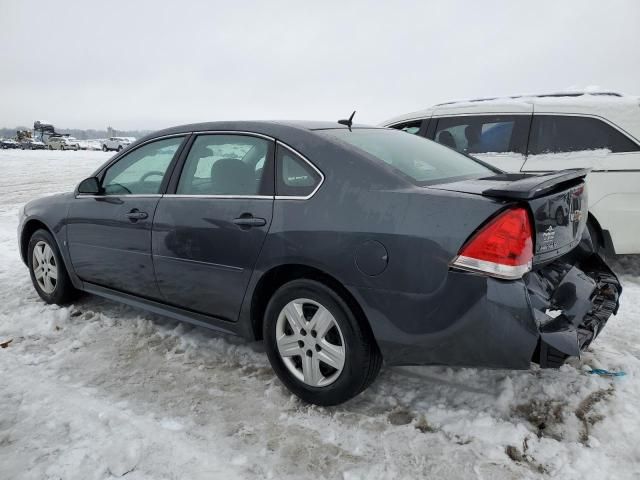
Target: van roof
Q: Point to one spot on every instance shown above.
(611, 105)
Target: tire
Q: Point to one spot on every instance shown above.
(325, 385)
(119, 148)
(62, 290)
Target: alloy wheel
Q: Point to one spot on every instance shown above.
(45, 268)
(310, 342)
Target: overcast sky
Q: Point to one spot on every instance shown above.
(151, 64)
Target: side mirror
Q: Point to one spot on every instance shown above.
(89, 186)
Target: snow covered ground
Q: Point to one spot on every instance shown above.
(99, 390)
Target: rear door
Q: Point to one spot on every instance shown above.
(577, 141)
(209, 228)
(109, 234)
(498, 139)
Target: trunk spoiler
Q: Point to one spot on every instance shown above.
(527, 187)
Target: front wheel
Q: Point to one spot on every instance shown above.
(316, 345)
(48, 273)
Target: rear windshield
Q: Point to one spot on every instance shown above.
(423, 161)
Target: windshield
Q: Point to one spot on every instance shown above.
(422, 160)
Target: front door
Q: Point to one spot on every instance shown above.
(208, 234)
(109, 234)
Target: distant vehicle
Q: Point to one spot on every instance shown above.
(93, 145)
(541, 133)
(117, 143)
(31, 144)
(337, 246)
(63, 143)
(8, 143)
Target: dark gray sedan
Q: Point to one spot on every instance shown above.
(339, 246)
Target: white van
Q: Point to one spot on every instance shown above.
(540, 133)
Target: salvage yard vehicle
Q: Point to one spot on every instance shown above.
(116, 143)
(31, 144)
(63, 143)
(540, 133)
(8, 143)
(338, 245)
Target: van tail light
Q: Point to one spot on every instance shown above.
(502, 248)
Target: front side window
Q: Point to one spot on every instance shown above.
(295, 177)
(420, 160)
(227, 165)
(483, 133)
(141, 172)
(557, 133)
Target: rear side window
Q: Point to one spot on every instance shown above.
(559, 133)
(409, 127)
(421, 161)
(483, 133)
(226, 165)
(295, 176)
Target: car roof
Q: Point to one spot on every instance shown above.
(279, 129)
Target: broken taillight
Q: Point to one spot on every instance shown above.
(502, 248)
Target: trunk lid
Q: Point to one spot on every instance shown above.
(557, 202)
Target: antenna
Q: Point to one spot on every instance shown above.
(348, 122)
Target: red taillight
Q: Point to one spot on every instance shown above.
(503, 248)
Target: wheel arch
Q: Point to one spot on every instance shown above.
(277, 276)
(29, 229)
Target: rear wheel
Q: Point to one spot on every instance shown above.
(316, 345)
(48, 273)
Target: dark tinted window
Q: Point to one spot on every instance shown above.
(295, 177)
(225, 165)
(409, 127)
(483, 133)
(557, 133)
(141, 171)
(417, 158)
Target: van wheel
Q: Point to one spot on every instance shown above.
(316, 345)
(48, 273)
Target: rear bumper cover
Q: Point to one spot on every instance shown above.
(473, 320)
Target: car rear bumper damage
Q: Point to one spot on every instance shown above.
(572, 302)
(552, 313)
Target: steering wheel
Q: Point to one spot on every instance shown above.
(150, 174)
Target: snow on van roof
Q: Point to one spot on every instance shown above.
(575, 93)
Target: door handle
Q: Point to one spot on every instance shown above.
(247, 220)
(135, 215)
